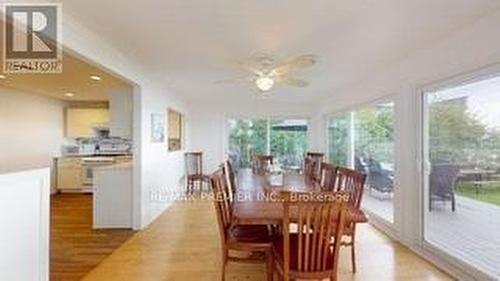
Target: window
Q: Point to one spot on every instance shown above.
(338, 139)
(286, 139)
(247, 137)
(373, 143)
(289, 142)
(175, 132)
(462, 172)
(364, 140)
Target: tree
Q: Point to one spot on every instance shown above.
(374, 133)
(247, 138)
(455, 135)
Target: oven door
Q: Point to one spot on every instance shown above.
(87, 175)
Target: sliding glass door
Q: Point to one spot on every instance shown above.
(288, 142)
(285, 139)
(364, 140)
(462, 172)
(247, 137)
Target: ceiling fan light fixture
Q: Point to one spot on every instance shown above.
(264, 83)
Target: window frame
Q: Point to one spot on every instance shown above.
(427, 249)
(390, 228)
(226, 130)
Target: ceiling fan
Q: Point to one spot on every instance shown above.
(266, 72)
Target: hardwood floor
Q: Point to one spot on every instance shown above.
(75, 248)
(183, 244)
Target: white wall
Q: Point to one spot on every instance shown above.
(24, 216)
(467, 50)
(32, 130)
(154, 167)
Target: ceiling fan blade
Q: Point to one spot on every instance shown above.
(251, 67)
(295, 82)
(281, 70)
(233, 79)
(301, 61)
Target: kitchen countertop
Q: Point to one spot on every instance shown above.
(124, 165)
(92, 155)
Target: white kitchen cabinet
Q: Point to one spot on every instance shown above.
(69, 174)
(81, 121)
(123, 159)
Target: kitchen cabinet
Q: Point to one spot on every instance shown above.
(69, 173)
(80, 122)
(123, 159)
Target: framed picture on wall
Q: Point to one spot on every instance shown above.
(175, 130)
(157, 127)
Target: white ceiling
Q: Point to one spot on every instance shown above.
(192, 43)
(75, 78)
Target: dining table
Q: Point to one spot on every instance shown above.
(257, 198)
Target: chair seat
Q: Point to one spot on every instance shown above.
(199, 177)
(278, 252)
(356, 215)
(250, 234)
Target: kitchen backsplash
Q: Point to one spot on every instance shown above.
(101, 146)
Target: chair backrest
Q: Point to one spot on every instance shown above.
(351, 182)
(315, 252)
(317, 158)
(442, 178)
(194, 163)
(328, 174)
(222, 203)
(358, 165)
(261, 163)
(374, 166)
(227, 169)
(310, 169)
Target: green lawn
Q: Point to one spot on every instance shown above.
(488, 192)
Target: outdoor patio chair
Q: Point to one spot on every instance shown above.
(442, 182)
(378, 178)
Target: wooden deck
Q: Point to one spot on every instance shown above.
(471, 233)
(75, 248)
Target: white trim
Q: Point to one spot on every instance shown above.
(464, 78)
(386, 225)
(454, 266)
(373, 102)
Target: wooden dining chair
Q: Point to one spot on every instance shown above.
(261, 163)
(228, 171)
(317, 158)
(194, 171)
(309, 168)
(309, 253)
(254, 240)
(352, 183)
(328, 173)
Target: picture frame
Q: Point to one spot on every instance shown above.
(157, 127)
